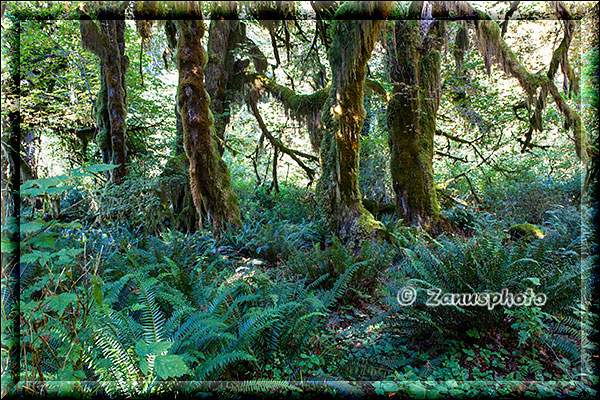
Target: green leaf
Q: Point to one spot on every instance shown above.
(32, 192)
(32, 226)
(383, 387)
(62, 301)
(72, 225)
(57, 190)
(417, 390)
(97, 285)
(44, 241)
(159, 347)
(34, 256)
(144, 366)
(141, 348)
(170, 365)
(534, 281)
(8, 245)
(97, 293)
(96, 280)
(171, 263)
(99, 168)
(67, 374)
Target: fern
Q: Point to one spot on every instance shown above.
(265, 386)
(220, 362)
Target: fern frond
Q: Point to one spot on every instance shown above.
(220, 362)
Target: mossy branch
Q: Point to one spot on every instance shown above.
(493, 48)
(294, 154)
(298, 104)
(303, 104)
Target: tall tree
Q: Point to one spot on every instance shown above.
(343, 116)
(106, 39)
(225, 34)
(415, 76)
(209, 175)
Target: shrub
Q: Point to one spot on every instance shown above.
(334, 260)
(483, 264)
(273, 241)
(135, 204)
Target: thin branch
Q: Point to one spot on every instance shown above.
(513, 7)
(294, 154)
(439, 153)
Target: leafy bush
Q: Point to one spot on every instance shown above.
(462, 218)
(526, 197)
(293, 204)
(273, 240)
(57, 282)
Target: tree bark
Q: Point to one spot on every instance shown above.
(343, 116)
(115, 68)
(225, 34)
(415, 76)
(176, 185)
(106, 39)
(209, 175)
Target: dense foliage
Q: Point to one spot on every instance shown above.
(133, 287)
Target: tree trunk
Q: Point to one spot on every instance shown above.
(176, 184)
(225, 34)
(343, 117)
(106, 39)
(115, 67)
(415, 75)
(209, 175)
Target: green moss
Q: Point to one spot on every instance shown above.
(411, 117)
(176, 165)
(102, 119)
(362, 229)
(209, 176)
(301, 105)
(367, 222)
(342, 118)
(525, 231)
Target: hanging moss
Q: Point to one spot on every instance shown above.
(305, 108)
(461, 45)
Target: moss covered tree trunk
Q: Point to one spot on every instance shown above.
(209, 175)
(106, 39)
(176, 187)
(225, 34)
(412, 110)
(343, 116)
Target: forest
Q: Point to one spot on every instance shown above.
(299, 199)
